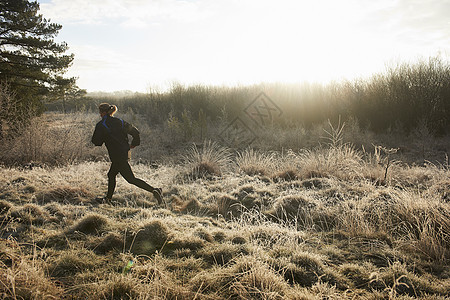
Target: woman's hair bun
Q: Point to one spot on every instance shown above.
(110, 109)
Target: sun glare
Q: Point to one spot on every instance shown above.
(301, 42)
(241, 42)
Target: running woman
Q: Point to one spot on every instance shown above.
(114, 133)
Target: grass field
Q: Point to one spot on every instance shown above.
(333, 221)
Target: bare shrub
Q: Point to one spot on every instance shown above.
(47, 140)
(335, 135)
(13, 118)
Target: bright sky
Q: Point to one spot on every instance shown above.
(141, 44)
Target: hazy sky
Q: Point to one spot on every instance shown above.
(141, 44)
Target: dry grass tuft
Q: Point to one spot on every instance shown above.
(396, 280)
(204, 234)
(248, 278)
(72, 262)
(55, 210)
(441, 189)
(192, 206)
(228, 207)
(23, 277)
(239, 240)
(150, 238)
(292, 207)
(342, 162)
(246, 194)
(161, 278)
(211, 160)
(54, 241)
(31, 214)
(428, 231)
(90, 224)
(286, 175)
(112, 242)
(359, 275)
(297, 267)
(256, 280)
(316, 183)
(250, 198)
(219, 236)
(118, 287)
(253, 162)
(72, 195)
(222, 254)
(205, 169)
(184, 244)
(5, 206)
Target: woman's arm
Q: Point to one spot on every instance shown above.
(134, 132)
(98, 138)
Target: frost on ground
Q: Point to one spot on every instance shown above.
(327, 223)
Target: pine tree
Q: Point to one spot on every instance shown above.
(31, 62)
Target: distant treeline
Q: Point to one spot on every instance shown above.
(402, 98)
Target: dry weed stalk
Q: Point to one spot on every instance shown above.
(385, 161)
(335, 135)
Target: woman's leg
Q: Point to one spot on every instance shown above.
(127, 173)
(125, 170)
(112, 173)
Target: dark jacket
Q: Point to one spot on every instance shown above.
(114, 133)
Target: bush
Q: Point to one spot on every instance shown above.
(45, 142)
(404, 96)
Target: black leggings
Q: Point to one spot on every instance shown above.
(124, 169)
